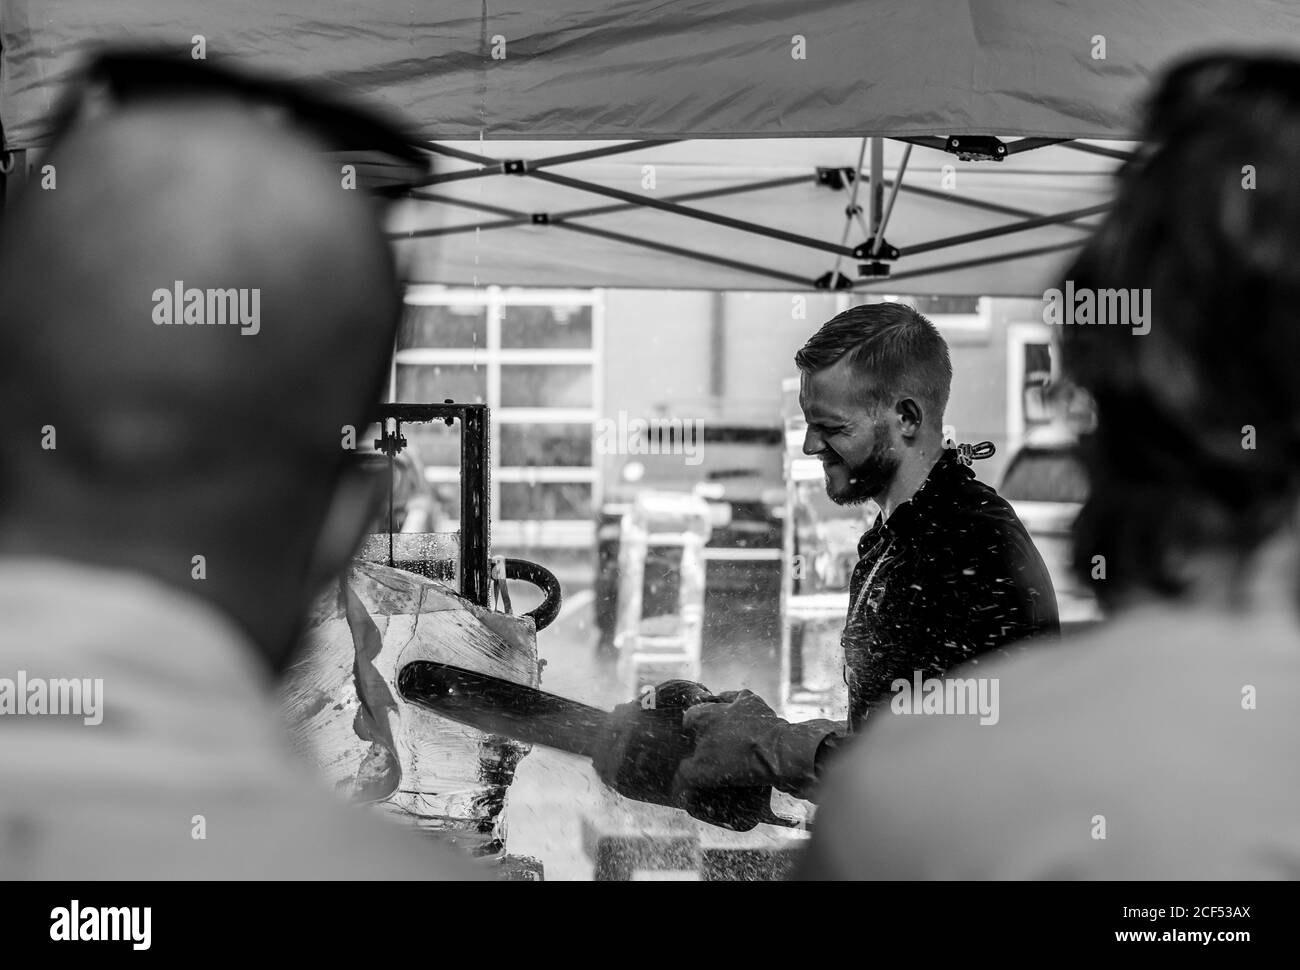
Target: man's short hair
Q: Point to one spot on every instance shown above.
(1197, 447)
(898, 352)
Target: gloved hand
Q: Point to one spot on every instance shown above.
(741, 743)
(612, 761)
(712, 756)
(646, 742)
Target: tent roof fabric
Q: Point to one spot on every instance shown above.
(624, 69)
(805, 83)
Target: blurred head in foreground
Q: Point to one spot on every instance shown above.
(1161, 744)
(192, 309)
(1195, 463)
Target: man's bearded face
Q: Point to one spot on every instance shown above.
(852, 482)
(852, 440)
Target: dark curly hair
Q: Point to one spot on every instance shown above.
(1171, 466)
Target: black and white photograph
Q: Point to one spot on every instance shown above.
(534, 441)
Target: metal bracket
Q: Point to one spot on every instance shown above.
(876, 268)
(841, 282)
(835, 178)
(886, 251)
(541, 218)
(976, 148)
(392, 442)
(515, 166)
(475, 466)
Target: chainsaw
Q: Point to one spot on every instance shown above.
(656, 741)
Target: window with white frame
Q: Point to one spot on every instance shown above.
(533, 356)
(1032, 366)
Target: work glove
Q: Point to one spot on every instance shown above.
(741, 743)
(716, 757)
(646, 743)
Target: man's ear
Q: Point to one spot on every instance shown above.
(346, 522)
(908, 413)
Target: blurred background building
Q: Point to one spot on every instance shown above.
(553, 363)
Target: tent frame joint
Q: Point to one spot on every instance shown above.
(977, 148)
(883, 251)
(835, 179)
(825, 282)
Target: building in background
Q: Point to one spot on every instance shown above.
(553, 363)
(534, 357)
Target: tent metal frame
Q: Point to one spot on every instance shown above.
(874, 251)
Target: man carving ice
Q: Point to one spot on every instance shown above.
(946, 573)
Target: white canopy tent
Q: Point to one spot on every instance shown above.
(737, 106)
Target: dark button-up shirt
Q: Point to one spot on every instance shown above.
(950, 576)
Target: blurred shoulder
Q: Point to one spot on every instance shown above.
(1134, 716)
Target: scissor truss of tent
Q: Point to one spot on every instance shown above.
(794, 214)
